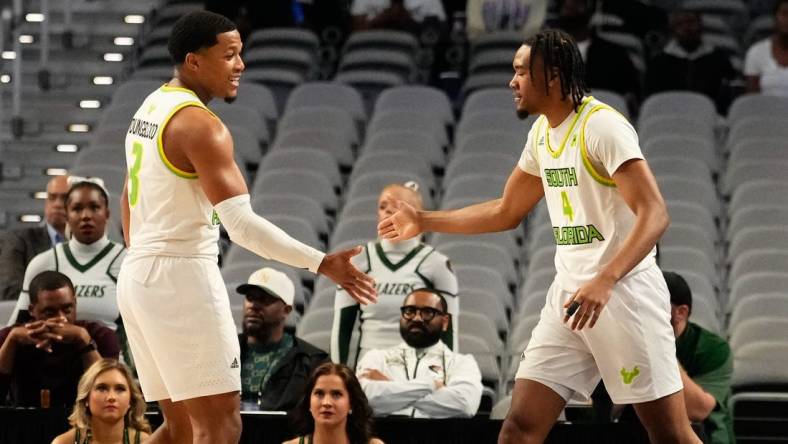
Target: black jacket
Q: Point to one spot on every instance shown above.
(288, 380)
(17, 249)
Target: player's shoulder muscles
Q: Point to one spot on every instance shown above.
(198, 135)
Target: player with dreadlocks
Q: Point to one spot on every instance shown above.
(607, 313)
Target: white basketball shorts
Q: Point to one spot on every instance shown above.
(181, 332)
(631, 347)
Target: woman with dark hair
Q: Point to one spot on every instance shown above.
(334, 409)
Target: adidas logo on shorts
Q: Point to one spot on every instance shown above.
(235, 363)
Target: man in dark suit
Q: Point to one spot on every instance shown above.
(18, 247)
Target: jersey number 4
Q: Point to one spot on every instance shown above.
(134, 178)
(568, 211)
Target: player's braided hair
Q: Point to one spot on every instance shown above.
(195, 31)
(560, 55)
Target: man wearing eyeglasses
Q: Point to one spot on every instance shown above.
(421, 377)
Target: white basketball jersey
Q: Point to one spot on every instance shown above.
(576, 161)
(170, 214)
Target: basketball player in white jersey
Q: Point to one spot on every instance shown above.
(182, 183)
(607, 312)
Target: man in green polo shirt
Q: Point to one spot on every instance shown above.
(706, 365)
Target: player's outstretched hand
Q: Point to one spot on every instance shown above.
(337, 267)
(588, 302)
(404, 224)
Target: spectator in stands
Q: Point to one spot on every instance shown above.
(608, 66)
(18, 247)
(403, 15)
(421, 377)
(686, 63)
(398, 268)
(766, 63)
(89, 258)
(109, 407)
(334, 409)
(705, 364)
(41, 362)
(485, 16)
(275, 365)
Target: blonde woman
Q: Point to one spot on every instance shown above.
(109, 408)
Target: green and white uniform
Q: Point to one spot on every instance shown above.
(170, 292)
(92, 268)
(632, 345)
(398, 268)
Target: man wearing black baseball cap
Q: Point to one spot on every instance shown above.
(706, 365)
(275, 365)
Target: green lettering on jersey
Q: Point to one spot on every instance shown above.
(215, 218)
(560, 177)
(577, 235)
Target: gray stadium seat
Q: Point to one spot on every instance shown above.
(284, 38)
(756, 283)
(387, 61)
(357, 230)
(418, 144)
(361, 207)
(468, 164)
(482, 327)
(759, 192)
(758, 238)
(743, 171)
(757, 105)
(754, 216)
(687, 146)
(369, 185)
(328, 94)
(305, 183)
(425, 98)
(382, 39)
(504, 121)
(758, 260)
(416, 121)
(760, 363)
(489, 305)
(509, 144)
(679, 103)
(612, 98)
(302, 207)
(336, 142)
(478, 186)
(297, 60)
(414, 163)
(320, 320)
(757, 305)
(306, 159)
(473, 252)
(320, 116)
(504, 239)
(483, 279)
(757, 329)
(244, 117)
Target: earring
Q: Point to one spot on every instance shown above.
(350, 412)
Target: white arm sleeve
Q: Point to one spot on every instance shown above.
(261, 237)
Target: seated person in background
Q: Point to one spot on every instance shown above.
(333, 409)
(421, 377)
(402, 15)
(398, 268)
(766, 63)
(109, 408)
(686, 63)
(608, 65)
(89, 259)
(485, 16)
(19, 247)
(705, 364)
(275, 365)
(51, 352)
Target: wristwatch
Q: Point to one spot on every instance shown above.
(91, 346)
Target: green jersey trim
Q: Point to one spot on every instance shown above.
(401, 263)
(168, 88)
(160, 143)
(584, 152)
(109, 267)
(557, 154)
(83, 268)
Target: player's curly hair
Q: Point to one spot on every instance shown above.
(561, 57)
(194, 31)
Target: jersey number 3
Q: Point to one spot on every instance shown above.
(134, 179)
(568, 211)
